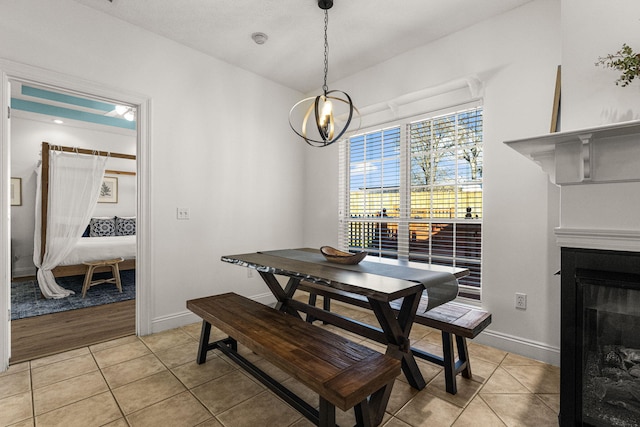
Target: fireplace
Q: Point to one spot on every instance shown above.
(600, 345)
(598, 172)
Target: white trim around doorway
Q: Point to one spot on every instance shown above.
(144, 269)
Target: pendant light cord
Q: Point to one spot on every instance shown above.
(325, 88)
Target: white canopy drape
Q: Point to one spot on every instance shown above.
(74, 187)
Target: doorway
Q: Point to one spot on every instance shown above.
(68, 86)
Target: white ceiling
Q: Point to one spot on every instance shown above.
(362, 33)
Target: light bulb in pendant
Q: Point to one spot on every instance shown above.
(327, 109)
(325, 121)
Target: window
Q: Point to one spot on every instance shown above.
(414, 191)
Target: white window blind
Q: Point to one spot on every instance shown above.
(413, 191)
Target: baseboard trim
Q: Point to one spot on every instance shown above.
(23, 272)
(513, 344)
(518, 345)
(267, 298)
(186, 317)
(172, 321)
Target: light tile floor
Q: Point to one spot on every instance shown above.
(154, 380)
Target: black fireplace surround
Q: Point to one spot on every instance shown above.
(600, 338)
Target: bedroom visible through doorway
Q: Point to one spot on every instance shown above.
(40, 113)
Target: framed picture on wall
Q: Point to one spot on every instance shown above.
(16, 191)
(109, 190)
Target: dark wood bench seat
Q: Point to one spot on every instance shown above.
(343, 373)
(453, 320)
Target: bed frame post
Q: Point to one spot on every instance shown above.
(44, 187)
(62, 271)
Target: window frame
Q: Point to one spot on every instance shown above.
(405, 218)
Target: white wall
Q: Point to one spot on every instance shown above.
(593, 29)
(220, 145)
(27, 136)
(515, 55)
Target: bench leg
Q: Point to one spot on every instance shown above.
(363, 414)
(463, 356)
(327, 413)
(371, 411)
(232, 343)
(449, 363)
(205, 332)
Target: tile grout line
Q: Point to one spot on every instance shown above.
(537, 395)
(178, 379)
(33, 398)
(237, 368)
(242, 372)
(482, 385)
(57, 382)
(492, 410)
(108, 386)
(98, 368)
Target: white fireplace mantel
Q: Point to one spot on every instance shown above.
(601, 154)
(598, 172)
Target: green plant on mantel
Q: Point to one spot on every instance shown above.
(625, 60)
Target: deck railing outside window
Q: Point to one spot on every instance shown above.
(414, 191)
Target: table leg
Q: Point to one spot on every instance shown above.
(282, 295)
(396, 330)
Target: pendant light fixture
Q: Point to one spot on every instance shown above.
(327, 120)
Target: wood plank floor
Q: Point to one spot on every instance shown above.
(40, 336)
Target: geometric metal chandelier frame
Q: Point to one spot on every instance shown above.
(322, 105)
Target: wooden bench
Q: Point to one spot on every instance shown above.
(451, 319)
(343, 373)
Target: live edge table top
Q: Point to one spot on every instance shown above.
(353, 279)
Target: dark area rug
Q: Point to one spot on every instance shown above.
(26, 300)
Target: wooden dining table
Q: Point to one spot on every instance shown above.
(380, 281)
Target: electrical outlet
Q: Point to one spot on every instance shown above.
(183, 213)
(521, 301)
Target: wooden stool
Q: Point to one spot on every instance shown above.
(88, 278)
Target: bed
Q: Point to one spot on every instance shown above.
(97, 249)
(87, 248)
